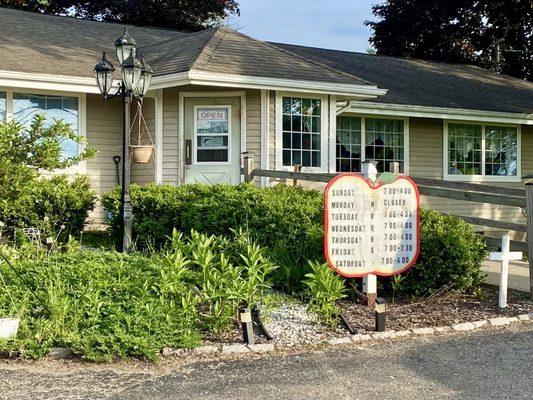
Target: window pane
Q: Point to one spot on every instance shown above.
(348, 144)
(27, 106)
(212, 134)
(3, 106)
(501, 148)
(301, 131)
(384, 139)
(464, 149)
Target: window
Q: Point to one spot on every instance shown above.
(349, 154)
(212, 134)
(3, 106)
(383, 142)
(27, 106)
(482, 151)
(301, 131)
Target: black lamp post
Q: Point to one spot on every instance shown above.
(136, 78)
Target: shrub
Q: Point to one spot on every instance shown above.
(451, 255)
(107, 304)
(277, 215)
(325, 287)
(25, 198)
(49, 203)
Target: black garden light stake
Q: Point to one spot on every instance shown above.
(136, 76)
(247, 325)
(381, 314)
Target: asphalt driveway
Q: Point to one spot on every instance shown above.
(489, 364)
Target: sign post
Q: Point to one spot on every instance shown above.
(504, 257)
(372, 225)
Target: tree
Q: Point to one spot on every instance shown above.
(458, 31)
(173, 14)
(28, 152)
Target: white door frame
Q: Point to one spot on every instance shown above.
(181, 123)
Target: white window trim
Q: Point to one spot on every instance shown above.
(482, 178)
(363, 136)
(81, 168)
(324, 132)
(195, 132)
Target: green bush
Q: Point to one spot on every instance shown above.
(49, 203)
(107, 304)
(279, 216)
(289, 222)
(451, 255)
(27, 199)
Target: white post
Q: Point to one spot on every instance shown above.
(504, 257)
(370, 282)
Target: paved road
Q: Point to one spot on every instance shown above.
(483, 365)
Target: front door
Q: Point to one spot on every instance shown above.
(212, 140)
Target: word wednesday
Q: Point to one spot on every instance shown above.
(371, 229)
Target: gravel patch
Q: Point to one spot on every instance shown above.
(293, 324)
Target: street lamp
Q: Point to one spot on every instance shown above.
(136, 76)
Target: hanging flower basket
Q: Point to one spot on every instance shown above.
(9, 327)
(141, 153)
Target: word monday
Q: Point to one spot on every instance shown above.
(371, 229)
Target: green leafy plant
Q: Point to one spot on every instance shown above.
(29, 199)
(397, 284)
(451, 255)
(325, 288)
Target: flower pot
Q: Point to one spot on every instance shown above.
(9, 327)
(141, 153)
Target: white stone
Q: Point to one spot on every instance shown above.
(384, 335)
(530, 315)
(262, 347)
(60, 353)
(464, 326)
(340, 340)
(403, 333)
(235, 349)
(500, 321)
(361, 338)
(524, 317)
(480, 323)
(209, 349)
(423, 331)
(442, 329)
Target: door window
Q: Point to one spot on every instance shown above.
(212, 135)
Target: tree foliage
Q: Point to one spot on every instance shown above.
(172, 14)
(27, 152)
(458, 31)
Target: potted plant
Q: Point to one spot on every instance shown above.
(141, 152)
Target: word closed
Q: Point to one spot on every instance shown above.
(371, 228)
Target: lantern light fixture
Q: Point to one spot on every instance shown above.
(104, 74)
(145, 79)
(125, 46)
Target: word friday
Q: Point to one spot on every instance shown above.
(371, 229)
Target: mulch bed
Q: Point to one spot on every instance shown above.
(442, 310)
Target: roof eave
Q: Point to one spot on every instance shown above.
(459, 114)
(204, 78)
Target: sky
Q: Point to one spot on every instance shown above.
(333, 24)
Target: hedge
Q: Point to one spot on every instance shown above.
(289, 221)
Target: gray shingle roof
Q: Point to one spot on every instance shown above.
(416, 82)
(37, 43)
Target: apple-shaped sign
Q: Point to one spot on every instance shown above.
(371, 228)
